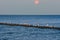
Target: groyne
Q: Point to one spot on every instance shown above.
(28, 25)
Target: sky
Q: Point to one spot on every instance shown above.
(24, 7)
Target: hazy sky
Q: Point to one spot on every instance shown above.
(28, 7)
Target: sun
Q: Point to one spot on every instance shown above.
(36, 2)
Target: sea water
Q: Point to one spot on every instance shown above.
(27, 33)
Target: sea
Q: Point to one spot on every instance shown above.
(29, 33)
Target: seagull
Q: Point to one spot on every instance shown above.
(47, 25)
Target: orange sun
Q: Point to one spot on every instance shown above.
(36, 2)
